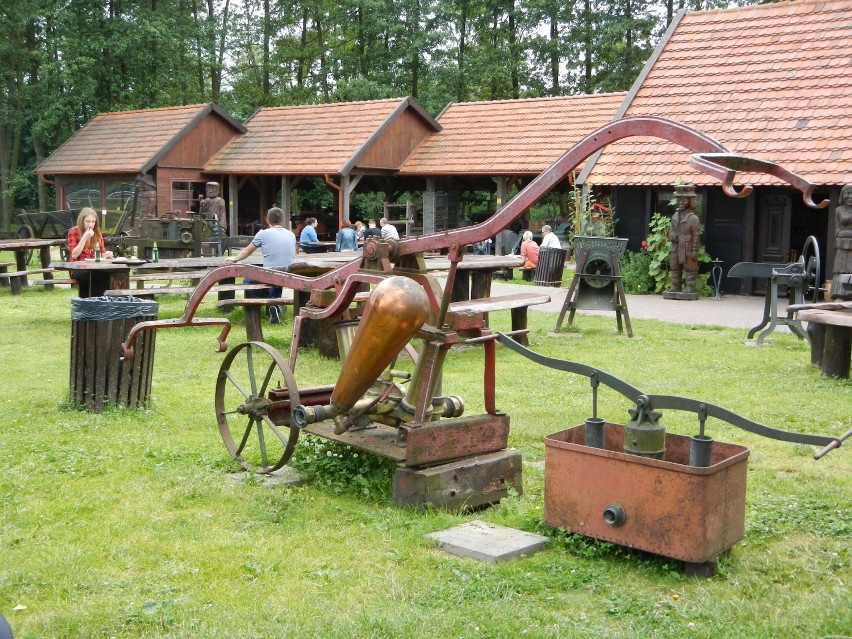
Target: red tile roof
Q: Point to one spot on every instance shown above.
(309, 139)
(510, 137)
(773, 81)
(125, 141)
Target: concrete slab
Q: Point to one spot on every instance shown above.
(283, 477)
(488, 542)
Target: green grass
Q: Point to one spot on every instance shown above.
(129, 523)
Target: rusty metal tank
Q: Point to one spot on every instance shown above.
(665, 507)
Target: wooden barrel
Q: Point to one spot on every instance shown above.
(98, 376)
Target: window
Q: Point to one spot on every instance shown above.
(185, 195)
(80, 194)
(119, 196)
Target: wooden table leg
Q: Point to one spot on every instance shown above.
(44, 255)
(836, 351)
(254, 330)
(461, 286)
(519, 322)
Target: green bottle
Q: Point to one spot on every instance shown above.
(155, 253)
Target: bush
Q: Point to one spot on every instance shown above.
(648, 272)
(635, 269)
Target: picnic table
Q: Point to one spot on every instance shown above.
(829, 333)
(17, 279)
(105, 274)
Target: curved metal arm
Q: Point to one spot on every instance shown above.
(656, 402)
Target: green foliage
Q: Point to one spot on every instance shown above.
(137, 524)
(647, 271)
(636, 272)
(344, 469)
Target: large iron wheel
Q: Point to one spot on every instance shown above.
(811, 259)
(598, 272)
(245, 378)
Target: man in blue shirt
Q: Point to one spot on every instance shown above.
(278, 246)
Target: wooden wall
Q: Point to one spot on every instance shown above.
(396, 142)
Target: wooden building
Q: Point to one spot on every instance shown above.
(770, 81)
(162, 151)
(497, 146)
(346, 144)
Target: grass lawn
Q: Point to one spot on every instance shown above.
(131, 523)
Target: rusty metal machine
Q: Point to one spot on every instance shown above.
(387, 308)
(638, 486)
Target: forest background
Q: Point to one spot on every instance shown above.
(64, 61)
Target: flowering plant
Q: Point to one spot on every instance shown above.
(342, 468)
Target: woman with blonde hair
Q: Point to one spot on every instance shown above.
(82, 240)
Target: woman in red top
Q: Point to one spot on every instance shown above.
(82, 239)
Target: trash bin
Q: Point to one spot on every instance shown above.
(98, 376)
(551, 262)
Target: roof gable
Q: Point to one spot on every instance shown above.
(127, 141)
(509, 137)
(311, 139)
(772, 81)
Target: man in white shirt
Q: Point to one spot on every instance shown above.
(389, 231)
(548, 238)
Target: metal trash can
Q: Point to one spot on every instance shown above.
(98, 376)
(551, 263)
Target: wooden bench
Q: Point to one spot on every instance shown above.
(829, 333)
(467, 314)
(252, 307)
(66, 280)
(4, 279)
(170, 276)
(182, 290)
(18, 279)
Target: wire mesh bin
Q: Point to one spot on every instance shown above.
(98, 376)
(551, 263)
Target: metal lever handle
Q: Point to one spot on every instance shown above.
(835, 444)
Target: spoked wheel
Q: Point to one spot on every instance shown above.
(598, 267)
(811, 260)
(245, 378)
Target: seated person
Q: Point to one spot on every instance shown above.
(389, 231)
(278, 245)
(372, 230)
(309, 232)
(529, 251)
(346, 238)
(82, 240)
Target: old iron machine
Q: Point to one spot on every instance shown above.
(638, 486)
(444, 456)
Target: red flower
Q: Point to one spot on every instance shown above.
(644, 244)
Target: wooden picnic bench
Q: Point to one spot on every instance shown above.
(4, 279)
(183, 290)
(473, 314)
(170, 276)
(18, 279)
(252, 307)
(829, 333)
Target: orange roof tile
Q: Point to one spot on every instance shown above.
(509, 137)
(309, 139)
(772, 81)
(125, 141)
